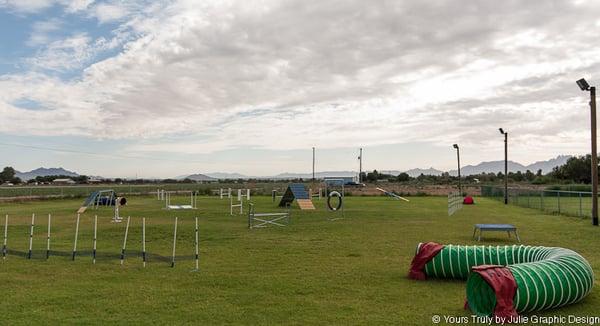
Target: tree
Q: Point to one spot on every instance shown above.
(372, 176)
(403, 177)
(576, 169)
(529, 176)
(7, 174)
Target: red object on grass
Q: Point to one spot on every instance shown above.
(426, 252)
(503, 283)
(468, 200)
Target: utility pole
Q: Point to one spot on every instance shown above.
(313, 165)
(594, 158)
(360, 166)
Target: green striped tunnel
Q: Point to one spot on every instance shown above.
(542, 277)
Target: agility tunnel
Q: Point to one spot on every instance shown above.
(507, 280)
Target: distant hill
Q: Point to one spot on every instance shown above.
(548, 165)
(498, 166)
(417, 172)
(199, 177)
(224, 175)
(42, 172)
(318, 175)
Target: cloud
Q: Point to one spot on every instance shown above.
(64, 55)
(281, 75)
(26, 6)
(73, 6)
(41, 32)
(109, 12)
(35, 6)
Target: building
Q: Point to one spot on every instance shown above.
(66, 181)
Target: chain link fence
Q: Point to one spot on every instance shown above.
(571, 203)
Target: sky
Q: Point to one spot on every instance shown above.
(168, 88)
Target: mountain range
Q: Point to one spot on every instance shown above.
(42, 172)
(483, 167)
(491, 167)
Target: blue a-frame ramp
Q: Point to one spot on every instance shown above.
(298, 192)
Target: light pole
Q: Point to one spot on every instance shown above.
(458, 159)
(584, 86)
(505, 165)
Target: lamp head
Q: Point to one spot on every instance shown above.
(583, 84)
(501, 131)
(455, 146)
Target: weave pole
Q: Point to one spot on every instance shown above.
(5, 237)
(144, 241)
(76, 234)
(95, 233)
(125, 240)
(196, 243)
(48, 238)
(31, 236)
(174, 242)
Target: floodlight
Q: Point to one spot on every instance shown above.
(455, 146)
(583, 84)
(501, 131)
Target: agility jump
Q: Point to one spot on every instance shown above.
(192, 205)
(95, 232)
(260, 220)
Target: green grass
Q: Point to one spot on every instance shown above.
(316, 271)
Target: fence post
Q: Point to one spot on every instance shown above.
(542, 199)
(528, 205)
(558, 194)
(580, 211)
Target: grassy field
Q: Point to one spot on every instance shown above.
(316, 271)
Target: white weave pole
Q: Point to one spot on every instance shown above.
(48, 239)
(174, 242)
(125, 240)
(31, 236)
(76, 234)
(196, 243)
(144, 241)
(5, 237)
(95, 233)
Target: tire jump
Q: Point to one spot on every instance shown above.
(340, 200)
(504, 281)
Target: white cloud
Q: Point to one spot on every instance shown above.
(283, 75)
(27, 6)
(34, 6)
(106, 12)
(66, 54)
(73, 6)
(41, 32)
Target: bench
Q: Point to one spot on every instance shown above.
(260, 220)
(508, 228)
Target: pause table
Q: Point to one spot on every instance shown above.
(508, 228)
